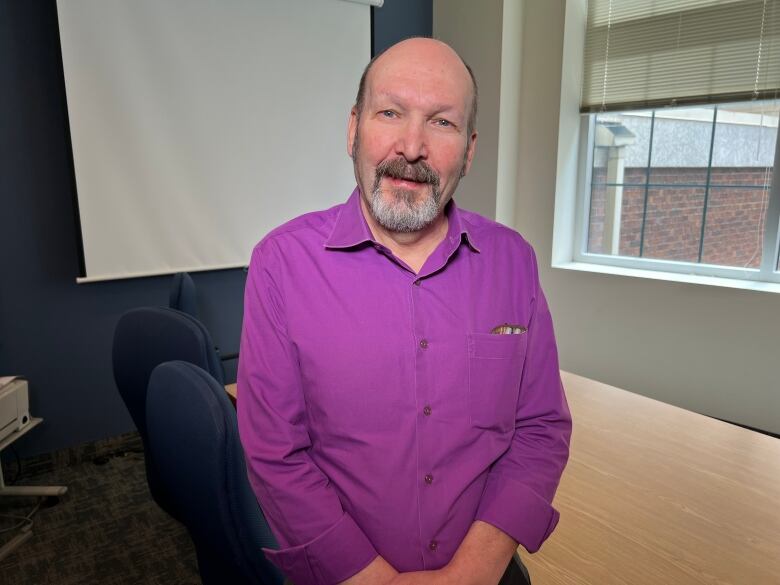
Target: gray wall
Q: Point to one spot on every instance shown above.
(53, 331)
(474, 30)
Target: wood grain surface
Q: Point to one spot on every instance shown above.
(654, 494)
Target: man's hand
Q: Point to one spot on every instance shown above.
(481, 559)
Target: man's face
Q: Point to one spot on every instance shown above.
(409, 144)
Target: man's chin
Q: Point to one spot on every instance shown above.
(404, 212)
(402, 194)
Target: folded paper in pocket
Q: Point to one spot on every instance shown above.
(508, 329)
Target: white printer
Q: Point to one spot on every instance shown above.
(14, 405)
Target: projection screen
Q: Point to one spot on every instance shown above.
(199, 125)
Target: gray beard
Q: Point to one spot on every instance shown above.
(401, 213)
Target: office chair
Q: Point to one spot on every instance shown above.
(184, 297)
(143, 339)
(193, 437)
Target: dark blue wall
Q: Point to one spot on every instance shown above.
(53, 331)
(401, 19)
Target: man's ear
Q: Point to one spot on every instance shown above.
(352, 130)
(470, 150)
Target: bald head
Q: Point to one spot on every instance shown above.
(424, 52)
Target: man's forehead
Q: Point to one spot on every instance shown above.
(433, 72)
(423, 57)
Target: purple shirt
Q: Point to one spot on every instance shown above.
(378, 413)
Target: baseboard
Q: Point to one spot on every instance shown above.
(46, 462)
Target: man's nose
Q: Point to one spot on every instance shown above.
(412, 143)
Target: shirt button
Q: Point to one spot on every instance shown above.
(429, 479)
(433, 545)
(427, 411)
(416, 282)
(424, 343)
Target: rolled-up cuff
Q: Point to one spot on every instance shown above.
(515, 509)
(334, 556)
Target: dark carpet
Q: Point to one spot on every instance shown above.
(106, 530)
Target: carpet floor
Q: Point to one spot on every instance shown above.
(105, 530)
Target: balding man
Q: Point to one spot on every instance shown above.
(400, 402)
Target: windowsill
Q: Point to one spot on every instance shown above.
(772, 287)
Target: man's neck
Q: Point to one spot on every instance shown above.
(411, 247)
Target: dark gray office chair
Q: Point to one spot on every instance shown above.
(193, 438)
(183, 297)
(143, 339)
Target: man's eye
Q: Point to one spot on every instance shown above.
(387, 113)
(443, 123)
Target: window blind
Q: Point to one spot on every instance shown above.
(641, 54)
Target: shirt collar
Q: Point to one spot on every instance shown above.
(351, 228)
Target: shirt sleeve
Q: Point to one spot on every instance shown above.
(521, 484)
(319, 543)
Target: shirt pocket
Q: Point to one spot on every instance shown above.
(495, 369)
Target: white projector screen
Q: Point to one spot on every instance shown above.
(199, 125)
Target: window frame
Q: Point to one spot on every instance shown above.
(766, 273)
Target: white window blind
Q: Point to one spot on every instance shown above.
(641, 54)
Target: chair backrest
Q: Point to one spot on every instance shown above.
(143, 339)
(193, 437)
(183, 296)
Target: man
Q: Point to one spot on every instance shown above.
(400, 402)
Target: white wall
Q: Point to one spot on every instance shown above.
(704, 348)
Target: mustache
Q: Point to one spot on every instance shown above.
(398, 168)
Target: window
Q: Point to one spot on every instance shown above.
(680, 108)
(690, 186)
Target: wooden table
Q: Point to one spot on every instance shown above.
(232, 392)
(655, 494)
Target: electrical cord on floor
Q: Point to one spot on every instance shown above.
(24, 522)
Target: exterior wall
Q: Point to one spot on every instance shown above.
(672, 225)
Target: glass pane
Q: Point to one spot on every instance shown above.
(630, 225)
(620, 155)
(681, 146)
(743, 152)
(631, 220)
(741, 176)
(673, 223)
(734, 230)
(623, 139)
(598, 195)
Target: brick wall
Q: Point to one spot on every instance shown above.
(734, 226)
